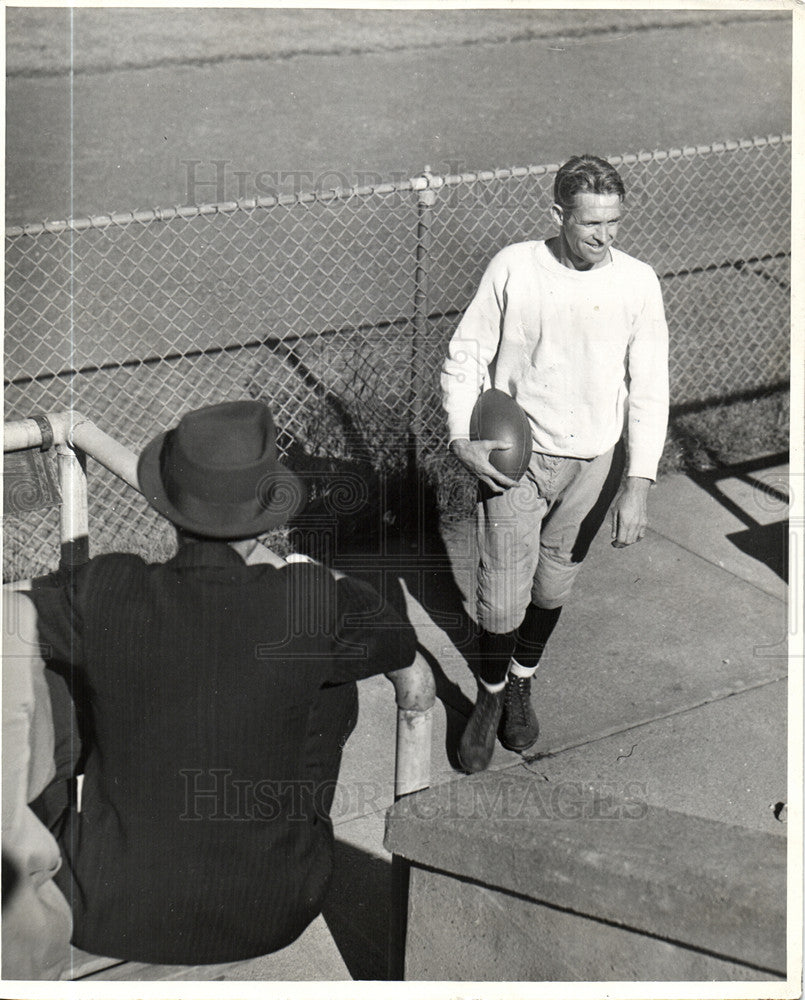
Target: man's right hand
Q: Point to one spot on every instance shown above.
(474, 455)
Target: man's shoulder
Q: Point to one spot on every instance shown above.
(118, 572)
(637, 268)
(515, 256)
(524, 250)
(120, 562)
(103, 564)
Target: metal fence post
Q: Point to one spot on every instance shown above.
(426, 199)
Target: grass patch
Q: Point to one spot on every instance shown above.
(727, 434)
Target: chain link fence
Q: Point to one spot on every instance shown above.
(336, 309)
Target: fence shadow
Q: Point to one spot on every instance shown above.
(765, 542)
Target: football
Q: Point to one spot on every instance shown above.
(496, 416)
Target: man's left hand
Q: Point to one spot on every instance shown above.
(629, 513)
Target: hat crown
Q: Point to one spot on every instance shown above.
(227, 435)
(217, 473)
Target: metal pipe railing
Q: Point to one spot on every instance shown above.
(71, 428)
(75, 436)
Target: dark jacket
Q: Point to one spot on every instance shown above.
(217, 698)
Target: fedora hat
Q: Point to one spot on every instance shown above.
(216, 473)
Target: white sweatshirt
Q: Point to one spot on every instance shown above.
(571, 347)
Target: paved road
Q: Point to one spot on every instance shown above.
(225, 127)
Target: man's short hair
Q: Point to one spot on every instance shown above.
(585, 173)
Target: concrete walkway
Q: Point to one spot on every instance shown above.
(665, 678)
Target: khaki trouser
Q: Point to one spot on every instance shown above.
(532, 538)
(37, 923)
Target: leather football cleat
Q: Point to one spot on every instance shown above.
(519, 728)
(478, 740)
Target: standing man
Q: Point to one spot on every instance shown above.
(218, 691)
(575, 331)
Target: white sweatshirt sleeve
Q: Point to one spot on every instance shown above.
(472, 347)
(648, 385)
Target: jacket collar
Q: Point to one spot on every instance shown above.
(206, 553)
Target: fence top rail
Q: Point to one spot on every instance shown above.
(426, 180)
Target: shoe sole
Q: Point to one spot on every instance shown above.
(518, 749)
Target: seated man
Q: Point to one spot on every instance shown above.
(216, 693)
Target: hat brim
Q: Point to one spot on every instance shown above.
(270, 507)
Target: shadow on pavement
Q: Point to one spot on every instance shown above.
(767, 543)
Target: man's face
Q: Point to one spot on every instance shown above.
(589, 228)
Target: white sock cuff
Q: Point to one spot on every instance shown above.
(518, 670)
(493, 688)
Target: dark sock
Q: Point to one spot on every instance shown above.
(496, 650)
(533, 634)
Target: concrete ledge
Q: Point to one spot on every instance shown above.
(512, 939)
(707, 886)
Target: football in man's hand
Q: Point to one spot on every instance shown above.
(497, 417)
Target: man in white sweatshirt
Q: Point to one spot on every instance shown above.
(575, 331)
